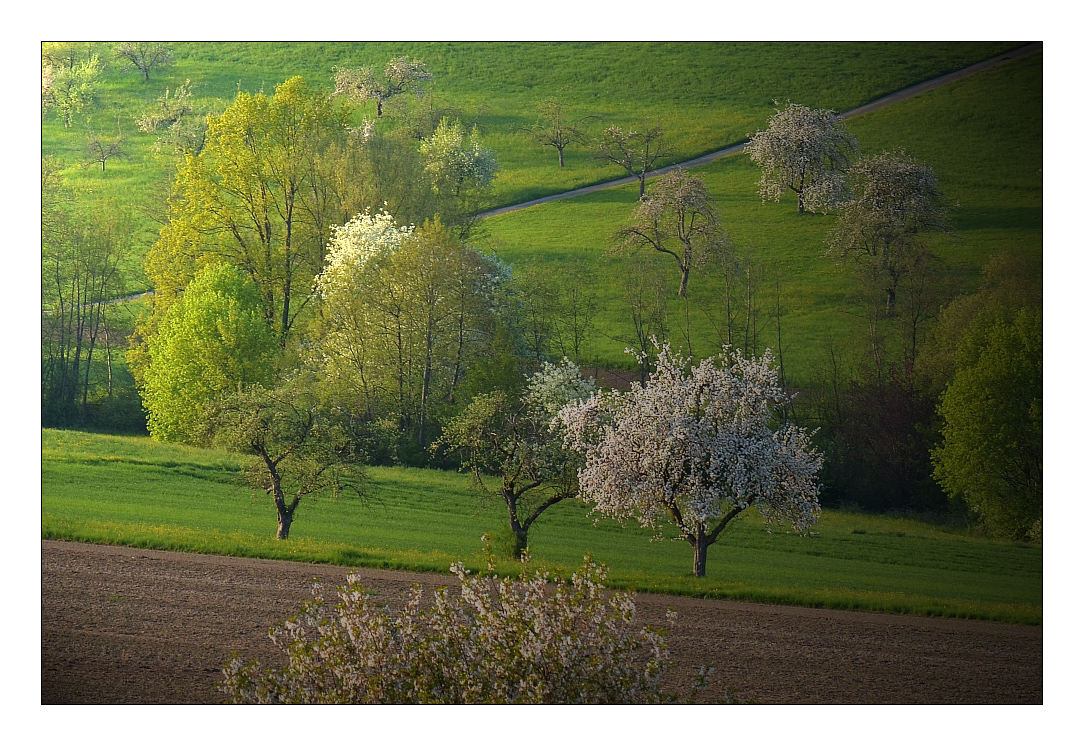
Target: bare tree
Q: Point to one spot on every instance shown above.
(361, 84)
(677, 218)
(100, 148)
(555, 130)
(636, 151)
(144, 56)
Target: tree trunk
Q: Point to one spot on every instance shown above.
(700, 552)
(561, 158)
(519, 532)
(285, 519)
(642, 177)
(683, 287)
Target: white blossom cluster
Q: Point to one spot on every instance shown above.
(695, 448)
(526, 640)
(556, 385)
(353, 244)
(804, 150)
(456, 160)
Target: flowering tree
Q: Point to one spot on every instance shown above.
(677, 217)
(897, 201)
(456, 160)
(496, 641)
(512, 438)
(364, 84)
(804, 150)
(697, 448)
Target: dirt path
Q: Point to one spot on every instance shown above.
(124, 625)
(905, 93)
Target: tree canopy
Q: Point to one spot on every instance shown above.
(697, 449)
(806, 151)
(214, 340)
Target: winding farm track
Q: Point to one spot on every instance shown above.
(127, 625)
(904, 93)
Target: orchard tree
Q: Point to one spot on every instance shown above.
(456, 160)
(697, 448)
(897, 203)
(636, 151)
(400, 75)
(993, 411)
(71, 91)
(555, 129)
(144, 56)
(301, 449)
(212, 341)
(806, 151)
(512, 437)
(677, 218)
(100, 148)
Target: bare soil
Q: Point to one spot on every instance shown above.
(125, 625)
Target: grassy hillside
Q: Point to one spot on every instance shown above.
(134, 491)
(982, 136)
(705, 95)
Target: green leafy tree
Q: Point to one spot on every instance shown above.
(406, 314)
(258, 197)
(993, 410)
(301, 449)
(70, 91)
(512, 438)
(82, 252)
(210, 343)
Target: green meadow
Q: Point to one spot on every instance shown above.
(134, 491)
(983, 138)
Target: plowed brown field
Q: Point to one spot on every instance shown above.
(124, 625)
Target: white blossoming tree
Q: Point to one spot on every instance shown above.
(495, 640)
(511, 437)
(697, 449)
(400, 75)
(806, 151)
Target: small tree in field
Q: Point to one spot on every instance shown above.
(299, 447)
(806, 151)
(555, 129)
(636, 151)
(696, 448)
(144, 56)
(678, 218)
(400, 75)
(512, 438)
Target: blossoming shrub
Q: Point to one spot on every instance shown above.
(525, 640)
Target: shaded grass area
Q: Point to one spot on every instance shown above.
(133, 491)
(983, 138)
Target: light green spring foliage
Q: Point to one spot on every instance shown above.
(214, 340)
(456, 160)
(69, 91)
(993, 410)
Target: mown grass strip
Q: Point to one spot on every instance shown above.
(133, 491)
